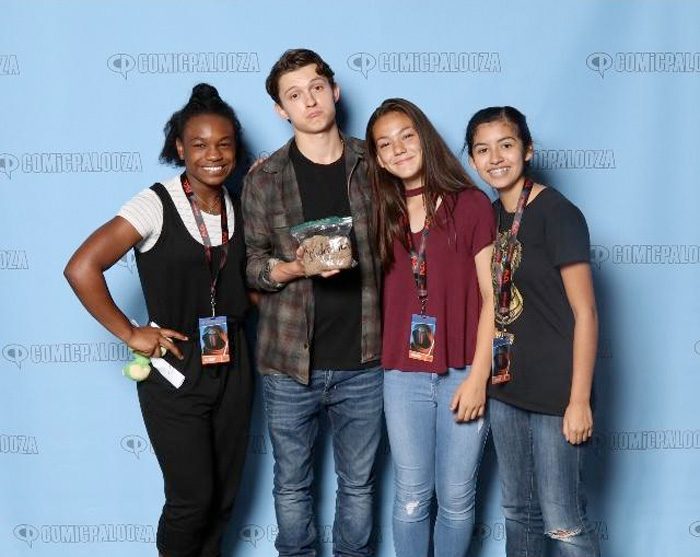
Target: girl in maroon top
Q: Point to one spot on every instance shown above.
(435, 232)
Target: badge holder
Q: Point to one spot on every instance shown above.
(213, 333)
(501, 357)
(421, 341)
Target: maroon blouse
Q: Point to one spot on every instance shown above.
(453, 289)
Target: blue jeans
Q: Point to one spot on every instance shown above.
(353, 402)
(432, 453)
(541, 481)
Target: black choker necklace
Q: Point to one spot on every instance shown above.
(413, 192)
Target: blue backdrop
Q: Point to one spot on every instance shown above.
(611, 91)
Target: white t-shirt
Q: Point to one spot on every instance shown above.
(144, 212)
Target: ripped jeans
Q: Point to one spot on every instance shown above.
(541, 484)
(431, 454)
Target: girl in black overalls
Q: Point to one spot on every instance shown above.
(188, 236)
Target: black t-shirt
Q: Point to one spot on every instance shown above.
(337, 299)
(553, 233)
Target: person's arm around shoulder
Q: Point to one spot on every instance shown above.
(85, 273)
(578, 417)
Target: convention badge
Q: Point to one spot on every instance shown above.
(421, 340)
(213, 333)
(502, 352)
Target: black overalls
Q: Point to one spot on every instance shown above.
(199, 431)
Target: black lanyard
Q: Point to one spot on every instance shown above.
(504, 257)
(189, 192)
(419, 263)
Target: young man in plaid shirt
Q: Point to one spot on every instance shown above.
(318, 337)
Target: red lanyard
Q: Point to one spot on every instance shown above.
(419, 263)
(189, 192)
(504, 274)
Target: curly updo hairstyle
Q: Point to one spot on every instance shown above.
(205, 99)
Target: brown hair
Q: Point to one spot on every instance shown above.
(443, 176)
(291, 60)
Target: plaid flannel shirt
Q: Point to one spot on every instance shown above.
(271, 205)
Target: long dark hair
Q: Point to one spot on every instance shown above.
(204, 99)
(443, 176)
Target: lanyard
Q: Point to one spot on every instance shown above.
(189, 192)
(504, 274)
(419, 264)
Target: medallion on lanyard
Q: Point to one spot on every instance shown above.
(502, 351)
(421, 339)
(213, 331)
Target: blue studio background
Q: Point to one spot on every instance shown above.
(610, 90)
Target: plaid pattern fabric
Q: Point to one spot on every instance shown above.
(271, 205)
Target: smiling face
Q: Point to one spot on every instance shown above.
(307, 100)
(208, 149)
(399, 149)
(499, 156)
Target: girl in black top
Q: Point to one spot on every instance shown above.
(199, 430)
(541, 418)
